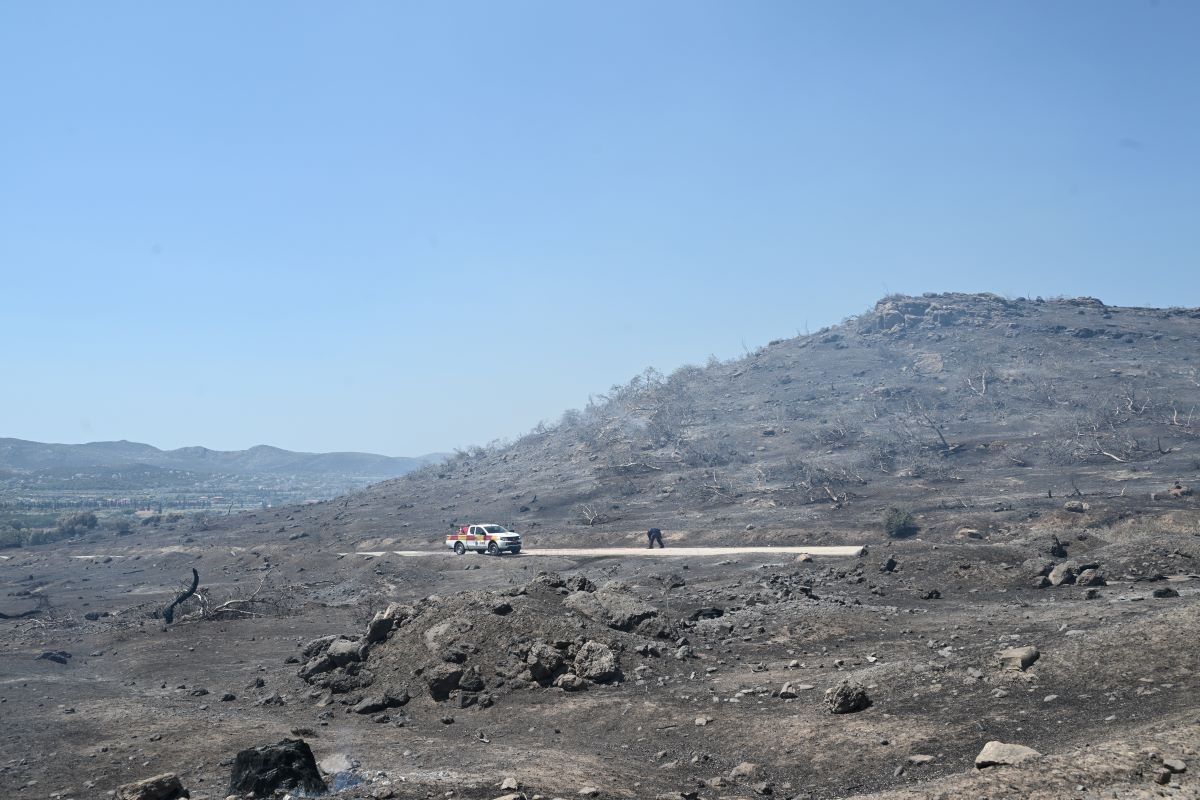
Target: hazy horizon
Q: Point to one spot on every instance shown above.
(404, 229)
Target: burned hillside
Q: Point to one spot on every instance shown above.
(971, 404)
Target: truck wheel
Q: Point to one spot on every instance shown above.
(493, 550)
(459, 549)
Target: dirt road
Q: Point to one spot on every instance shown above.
(848, 551)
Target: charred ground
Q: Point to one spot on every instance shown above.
(984, 418)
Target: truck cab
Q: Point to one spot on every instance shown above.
(484, 538)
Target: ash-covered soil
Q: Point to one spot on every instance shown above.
(638, 679)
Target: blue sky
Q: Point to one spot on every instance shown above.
(406, 227)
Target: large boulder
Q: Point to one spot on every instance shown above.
(597, 662)
(161, 787)
(263, 771)
(998, 754)
(846, 697)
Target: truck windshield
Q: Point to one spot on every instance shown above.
(494, 529)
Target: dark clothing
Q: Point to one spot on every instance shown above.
(654, 535)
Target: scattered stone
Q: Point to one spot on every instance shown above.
(161, 787)
(262, 771)
(1019, 658)
(998, 754)
(846, 698)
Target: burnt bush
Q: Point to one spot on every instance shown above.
(898, 522)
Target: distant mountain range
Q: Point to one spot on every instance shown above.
(21, 456)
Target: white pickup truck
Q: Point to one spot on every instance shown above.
(490, 539)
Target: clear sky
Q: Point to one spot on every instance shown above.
(406, 227)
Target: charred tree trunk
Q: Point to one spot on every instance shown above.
(169, 612)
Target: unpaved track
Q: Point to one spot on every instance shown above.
(847, 551)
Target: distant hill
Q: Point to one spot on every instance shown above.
(21, 456)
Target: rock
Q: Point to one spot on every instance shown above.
(228, 697)
(335, 763)
(932, 594)
(1057, 549)
(1175, 765)
(545, 662)
(509, 785)
(997, 754)
(442, 680)
(597, 662)
(385, 621)
(889, 565)
(316, 666)
(788, 692)
(57, 656)
(917, 759)
(588, 791)
(262, 771)
(702, 721)
(512, 796)
(502, 608)
(746, 769)
(1090, 577)
(804, 558)
(1018, 658)
(272, 700)
(570, 682)
(967, 533)
(319, 645)
(472, 681)
(344, 652)
(370, 705)
(161, 787)
(1164, 592)
(612, 607)
(1076, 506)
(846, 698)
(579, 583)
(1063, 573)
